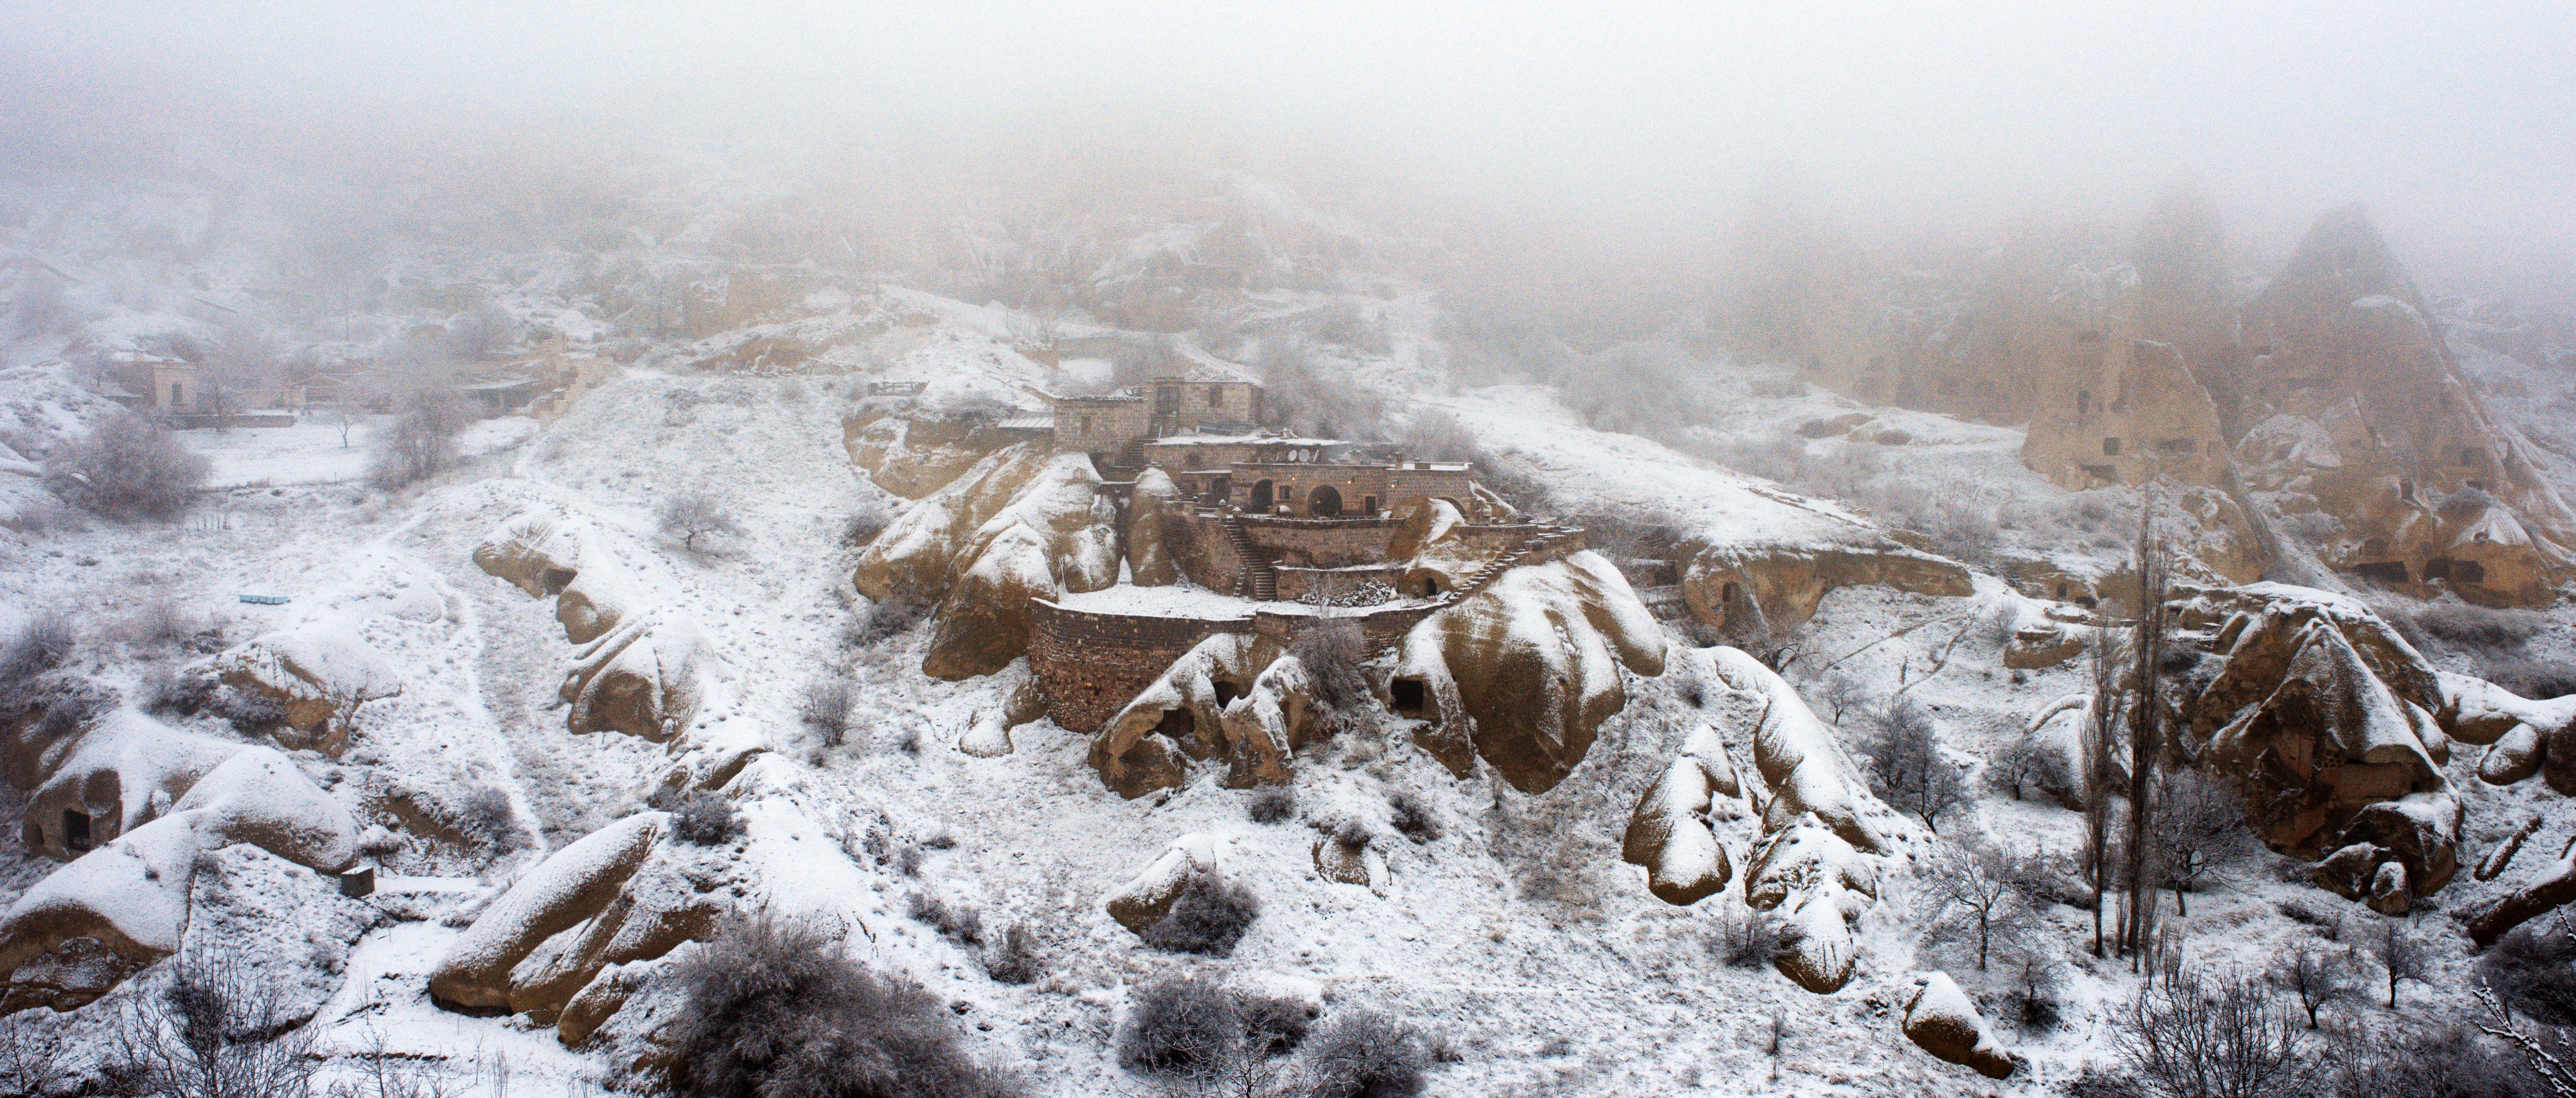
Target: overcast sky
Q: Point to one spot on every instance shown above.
(2456, 123)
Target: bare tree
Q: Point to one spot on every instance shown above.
(693, 515)
(421, 442)
(2315, 977)
(826, 707)
(27, 1064)
(2102, 729)
(128, 467)
(1908, 767)
(383, 1073)
(2146, 733)
(343, 419)
(2400, 951)
(2198, 824)
(2015, 765)
(214, 1031)
(2202, 1036)
(1977, 895)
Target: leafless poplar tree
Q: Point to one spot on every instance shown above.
(2146, 734)
(2102, 730)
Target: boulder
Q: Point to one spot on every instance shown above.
(597, 601)
(570, 887)
(1797, 757)
(1668, 832)
(1350, 863)
(643, 678)
(539, 551)
(1528, 668)
(1019, 703)
(318, 674)
(1149, 561)
(1815, 886)
(1146, 897)
(2544, 892)
(1262, 727)
(2389, 894)
(2046, 644)
(1944, 1021)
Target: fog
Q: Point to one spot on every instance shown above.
(1632, 128)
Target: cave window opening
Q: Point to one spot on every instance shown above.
(1226, 692)
(2111, 446)
(1411, 699)
(2383, 571)
(76, 835)
(1177, 723)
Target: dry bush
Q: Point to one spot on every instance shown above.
(689, 516)
(1408, 813)
(704, 818)
(1742, 938)
(1434, 434)
(1211, 915)
(485, 815)
(863, 526)
(421, 441)
(214, 1029)
(2534, 969)
(775, 1009)
(2538, 679)
(1187, 1023)
(1014, 958)
(826, 707)
(2200, 1035)
(40, 645)
(128, 467)
(960, 921)
(1271, 804)
(1365, 1054)
(1907, 766)
(1334, 653)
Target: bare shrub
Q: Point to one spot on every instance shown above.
(28, 1064)
(2037, 976)
(704, 818)
(2471, 626)
(2198, 1035)
(1211, 915)
(1907, 766)
(160, 621)
(689, 516)
(2539, 679)
(863, 527)
(1408, 813)
(952, 920)
(213, 1030)
(775, 1009)
(2534, 968)
(1271, 804)
(826, 708)
(1434, 434)
(485, 815)
(1014, 958)
(2401, 953)
(420, 443)
(128, 467)
(1187, 1023)
(892, 617)
(1333, 653)
(250, 713)
(1977, 896)
(40, 645)
(2447, 1062)
(1743, 938)
(2197, 826)
(384, 1073)
(1366, 1054)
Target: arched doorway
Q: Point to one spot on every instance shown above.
(1324, 502)
(1261, 501)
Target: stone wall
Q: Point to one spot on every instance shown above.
(1195, 539)
(1296, 583)
(1321, 543)
(1101, 424)
(1089, 665)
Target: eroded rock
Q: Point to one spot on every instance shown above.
(1668, 832)
(1944, 1021)
(318, 674)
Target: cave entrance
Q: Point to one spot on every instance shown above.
(1226, 692)
(1410, 697)
(1261, 499)
(1325, 502)
(2383, 571)
(1177, 723)
(76, 836)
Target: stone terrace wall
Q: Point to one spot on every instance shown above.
(1090, 665)
(1321, 543)
(1198, 546)
(1295, 583)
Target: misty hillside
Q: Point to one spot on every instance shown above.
(834, 594)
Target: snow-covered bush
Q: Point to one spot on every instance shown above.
(1365, 1054)
(1271, 804)
(863, 526)
(128, 467)
(40, 645)
(216, 1029)
(1407, 812)
(1187, 1023)
(952, 920)
(704, 819)
(826, 707)
(484, 814)
(1210, 916)
(1014, 958)
(775, 1009)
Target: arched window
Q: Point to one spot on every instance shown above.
(1326, 502)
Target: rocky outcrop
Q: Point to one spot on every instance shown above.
(1523, 672)
(2522, 737)
(566, 944)
(1149, 744)
(1342, 861)
(1146, 897)
(1668, 832)
(2362, 414)
(1149, 560)
(538, 551)
(1021, 701)
(914, 458)
(643, 678)
(318, 675)
(2545, 891)
(173, 800)
(1815, 887)
(2132, 413)
(1020, 525)
(1944, 1021)
(1758, 585)
(2321, 719)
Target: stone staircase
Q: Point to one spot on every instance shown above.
(1260, 580)
(1493, 570)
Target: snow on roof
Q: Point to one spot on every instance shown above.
(1027, 423)
(1208, 367)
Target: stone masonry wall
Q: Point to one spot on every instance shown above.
(1091, 665)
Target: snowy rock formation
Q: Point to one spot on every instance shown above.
(318, 674)
(1942, 1019)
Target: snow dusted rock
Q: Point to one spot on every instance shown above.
(1942, 1019)
(1350, 863)
(1428, 538)
(539, 551)
(1781, 585)
(2388, 891)
(1148, 896)
(1796, 754)
(2046, 644)
(2522, 735)
(1668, 832)
(126, 904)
(1528, 668)
(677, 895)
(1262, 727)
(912, 457)
(596, 601)
(1057, 535)
(572, 885)
(2553, 886)
(2060, 733)
(1815, 886)
(1148, 744)
(319, 674)
(990, 735)
(2321, 720)
(643, 679)
(121, 772)
(1149, 561)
